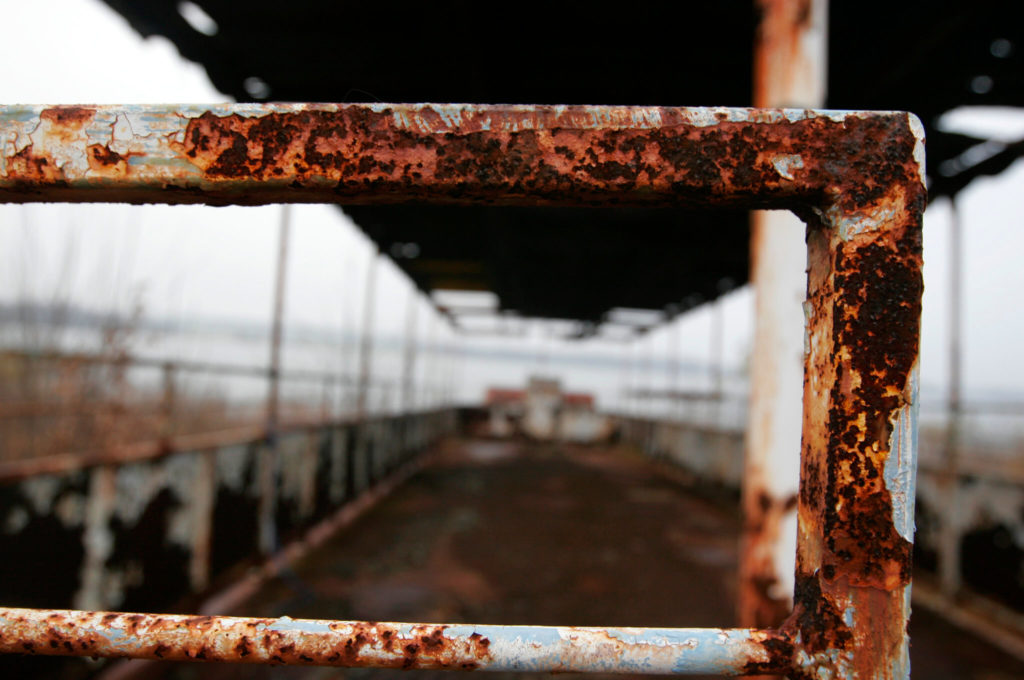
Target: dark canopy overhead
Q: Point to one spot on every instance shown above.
(925, 57)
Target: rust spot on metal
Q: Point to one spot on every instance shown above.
(107, 162)
(68, 116)
(778, 650)
(820, 625)
(411, 650)
(30, 168)
(434, 640)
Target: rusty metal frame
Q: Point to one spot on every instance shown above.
(856, 180)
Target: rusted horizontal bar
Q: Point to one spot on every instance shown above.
(268, 153)
(390, 645)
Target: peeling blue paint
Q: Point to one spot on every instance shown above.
(901, 465)
(287, 624)
(785, 165)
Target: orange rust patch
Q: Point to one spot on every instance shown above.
(68, 116)
(106, 162)
(27, 166)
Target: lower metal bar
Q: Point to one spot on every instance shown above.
(391, 645)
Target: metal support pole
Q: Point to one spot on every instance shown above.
(716, 360)
(672, 355)
(631, 379)
(409, 355)
(859, 450)
(648, 379)
(949, 536)
(366, 343)
(346, 399)
(268, 466)
(790, 68)
(459, 360)
(430, 369)
(449, 370)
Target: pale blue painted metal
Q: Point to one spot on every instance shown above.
(560, 649)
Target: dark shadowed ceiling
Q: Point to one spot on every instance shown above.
(927, 57)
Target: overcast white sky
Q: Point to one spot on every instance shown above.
(218, 262)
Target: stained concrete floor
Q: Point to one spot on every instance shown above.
(504, 533)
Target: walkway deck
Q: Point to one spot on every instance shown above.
(507, 533)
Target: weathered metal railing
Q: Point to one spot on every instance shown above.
(185, 510)
(855, 178)
(163, 399)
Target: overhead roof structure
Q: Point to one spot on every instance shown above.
(925, 57)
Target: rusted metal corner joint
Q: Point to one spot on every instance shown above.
(859, 450)
(856, 178)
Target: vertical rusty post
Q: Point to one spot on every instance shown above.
(859, 449)
(268, 458)
(949, 529)
(790, 68)
(366, 339)
(409, 353)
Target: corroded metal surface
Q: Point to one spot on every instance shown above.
(859, 435)
(250, 154)
(385, 645)
(855, 178)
